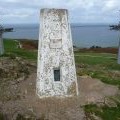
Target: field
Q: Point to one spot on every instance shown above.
(89, 64)
(103, 65)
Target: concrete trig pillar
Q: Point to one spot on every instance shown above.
(56, 73)
(1, 44)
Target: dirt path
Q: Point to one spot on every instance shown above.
(29, 105)
(94, 91)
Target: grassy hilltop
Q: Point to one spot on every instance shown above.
(97, 65)
(102, 66)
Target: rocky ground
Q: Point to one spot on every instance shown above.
(18, 99)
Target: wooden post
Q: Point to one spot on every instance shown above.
(119, 49)
(1, 44)
(2, 30)
(117, 27)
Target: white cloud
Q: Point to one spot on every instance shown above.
(80, 10)
(11, 1)
(16, 13)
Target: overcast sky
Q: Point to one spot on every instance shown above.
(80, 11)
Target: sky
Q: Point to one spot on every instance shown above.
(80, 11)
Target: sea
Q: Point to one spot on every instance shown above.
(83, 36)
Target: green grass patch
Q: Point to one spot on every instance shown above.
(96, 54)
(11, 49)
(101, 66)
(106, 60)
(104, 112)
(92, 60)
(107, 77)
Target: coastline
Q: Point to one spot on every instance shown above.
(31, 44)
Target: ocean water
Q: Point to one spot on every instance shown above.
(83, 35)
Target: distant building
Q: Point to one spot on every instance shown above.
(56, 73)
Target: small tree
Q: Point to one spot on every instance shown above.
(119, 47)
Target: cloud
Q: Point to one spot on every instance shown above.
(88, 11)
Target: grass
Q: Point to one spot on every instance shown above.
(107, 60)
(11, 49)
(107, 77)
(99, 65)
(104, 112)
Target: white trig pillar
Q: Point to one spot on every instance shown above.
(1, 44)
(56, 73)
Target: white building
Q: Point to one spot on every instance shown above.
(56, 73)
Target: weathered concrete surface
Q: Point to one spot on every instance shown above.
(1, 44)
(55, 51)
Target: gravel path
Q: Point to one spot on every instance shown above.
(29, 105)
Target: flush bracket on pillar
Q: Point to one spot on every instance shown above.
(56, 34)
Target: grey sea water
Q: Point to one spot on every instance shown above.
(83, 35)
